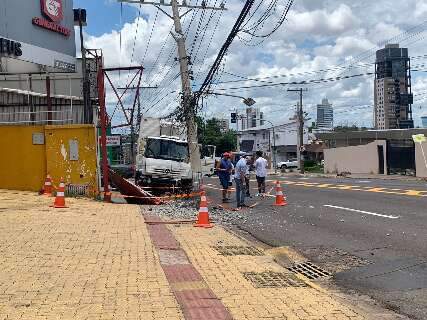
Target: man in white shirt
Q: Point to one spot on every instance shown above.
(239, 179)
(261, 172)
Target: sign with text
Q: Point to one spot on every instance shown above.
(39, 32)
(112, 141)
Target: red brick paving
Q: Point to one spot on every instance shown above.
(162, 238)
(207, 314)
(196, 304)
(181, 273)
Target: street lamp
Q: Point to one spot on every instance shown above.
(247, 101)
(274, 144)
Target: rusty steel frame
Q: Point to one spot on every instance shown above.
(102, 74)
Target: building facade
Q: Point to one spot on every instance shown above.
(325, 116)
(262, 139)
(224, 125)
(252, 118)
(392, 92)
(424, 121)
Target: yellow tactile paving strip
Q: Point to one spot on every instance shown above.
(223, 275)
(91, 261)
(401, 192)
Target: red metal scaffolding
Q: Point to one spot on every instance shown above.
(104, 119)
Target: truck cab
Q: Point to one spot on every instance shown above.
(163, 162)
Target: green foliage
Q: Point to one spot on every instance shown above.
(309, 163)
(349, 128)
(209, 133)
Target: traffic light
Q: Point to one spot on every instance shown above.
(233, 117)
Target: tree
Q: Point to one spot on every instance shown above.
(209, 132)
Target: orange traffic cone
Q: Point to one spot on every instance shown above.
(60, 196)
(47, 188)
(280, 198)
(203, 218)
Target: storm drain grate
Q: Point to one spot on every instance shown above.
(238, 251)
(309, 270)
(271, 279)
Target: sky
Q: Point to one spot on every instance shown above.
(340, 36)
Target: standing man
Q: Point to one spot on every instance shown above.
(224, 168)
(249, 166)
(239, 179)
(261, 172)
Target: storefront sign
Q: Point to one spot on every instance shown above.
(10, 47)
(52, 10)
(52, 26)
(69, 67)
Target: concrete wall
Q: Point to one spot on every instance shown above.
(419, 160)
(357, 159)
(24, 165)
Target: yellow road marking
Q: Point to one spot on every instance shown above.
(402, 192)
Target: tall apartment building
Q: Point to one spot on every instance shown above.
(393, 95)
(252, 119)
(325, 116)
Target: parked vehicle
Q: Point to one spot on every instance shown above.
(291, 163)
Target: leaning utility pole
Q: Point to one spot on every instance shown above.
(300, 119)
(187, 95)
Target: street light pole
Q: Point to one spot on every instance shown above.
(247, 101)
(274, 144)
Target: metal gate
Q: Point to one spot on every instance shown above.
(401, 157)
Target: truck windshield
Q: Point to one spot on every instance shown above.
(166, 149)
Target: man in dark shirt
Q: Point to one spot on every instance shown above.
(224, 169)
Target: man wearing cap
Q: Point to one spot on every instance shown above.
(224, 169)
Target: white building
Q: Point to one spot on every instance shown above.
(261, 139)
(251, 119)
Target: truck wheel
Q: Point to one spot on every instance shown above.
(187, 186)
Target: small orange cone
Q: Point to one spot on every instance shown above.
(60, 196)
(280, 198)
(203, 218)
(47, 188)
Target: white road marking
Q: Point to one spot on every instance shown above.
(364, 212)
(364, 181)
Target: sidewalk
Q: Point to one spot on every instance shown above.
(102, 261)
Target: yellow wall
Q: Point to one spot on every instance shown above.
(23, 166)
(81, 171)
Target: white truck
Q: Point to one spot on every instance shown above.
(163, 156)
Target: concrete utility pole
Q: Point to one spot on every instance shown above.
(189, 111)
(300, 119)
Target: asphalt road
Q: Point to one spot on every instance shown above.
(371, 234)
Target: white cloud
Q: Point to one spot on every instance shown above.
(317, 35)
(323, 22)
